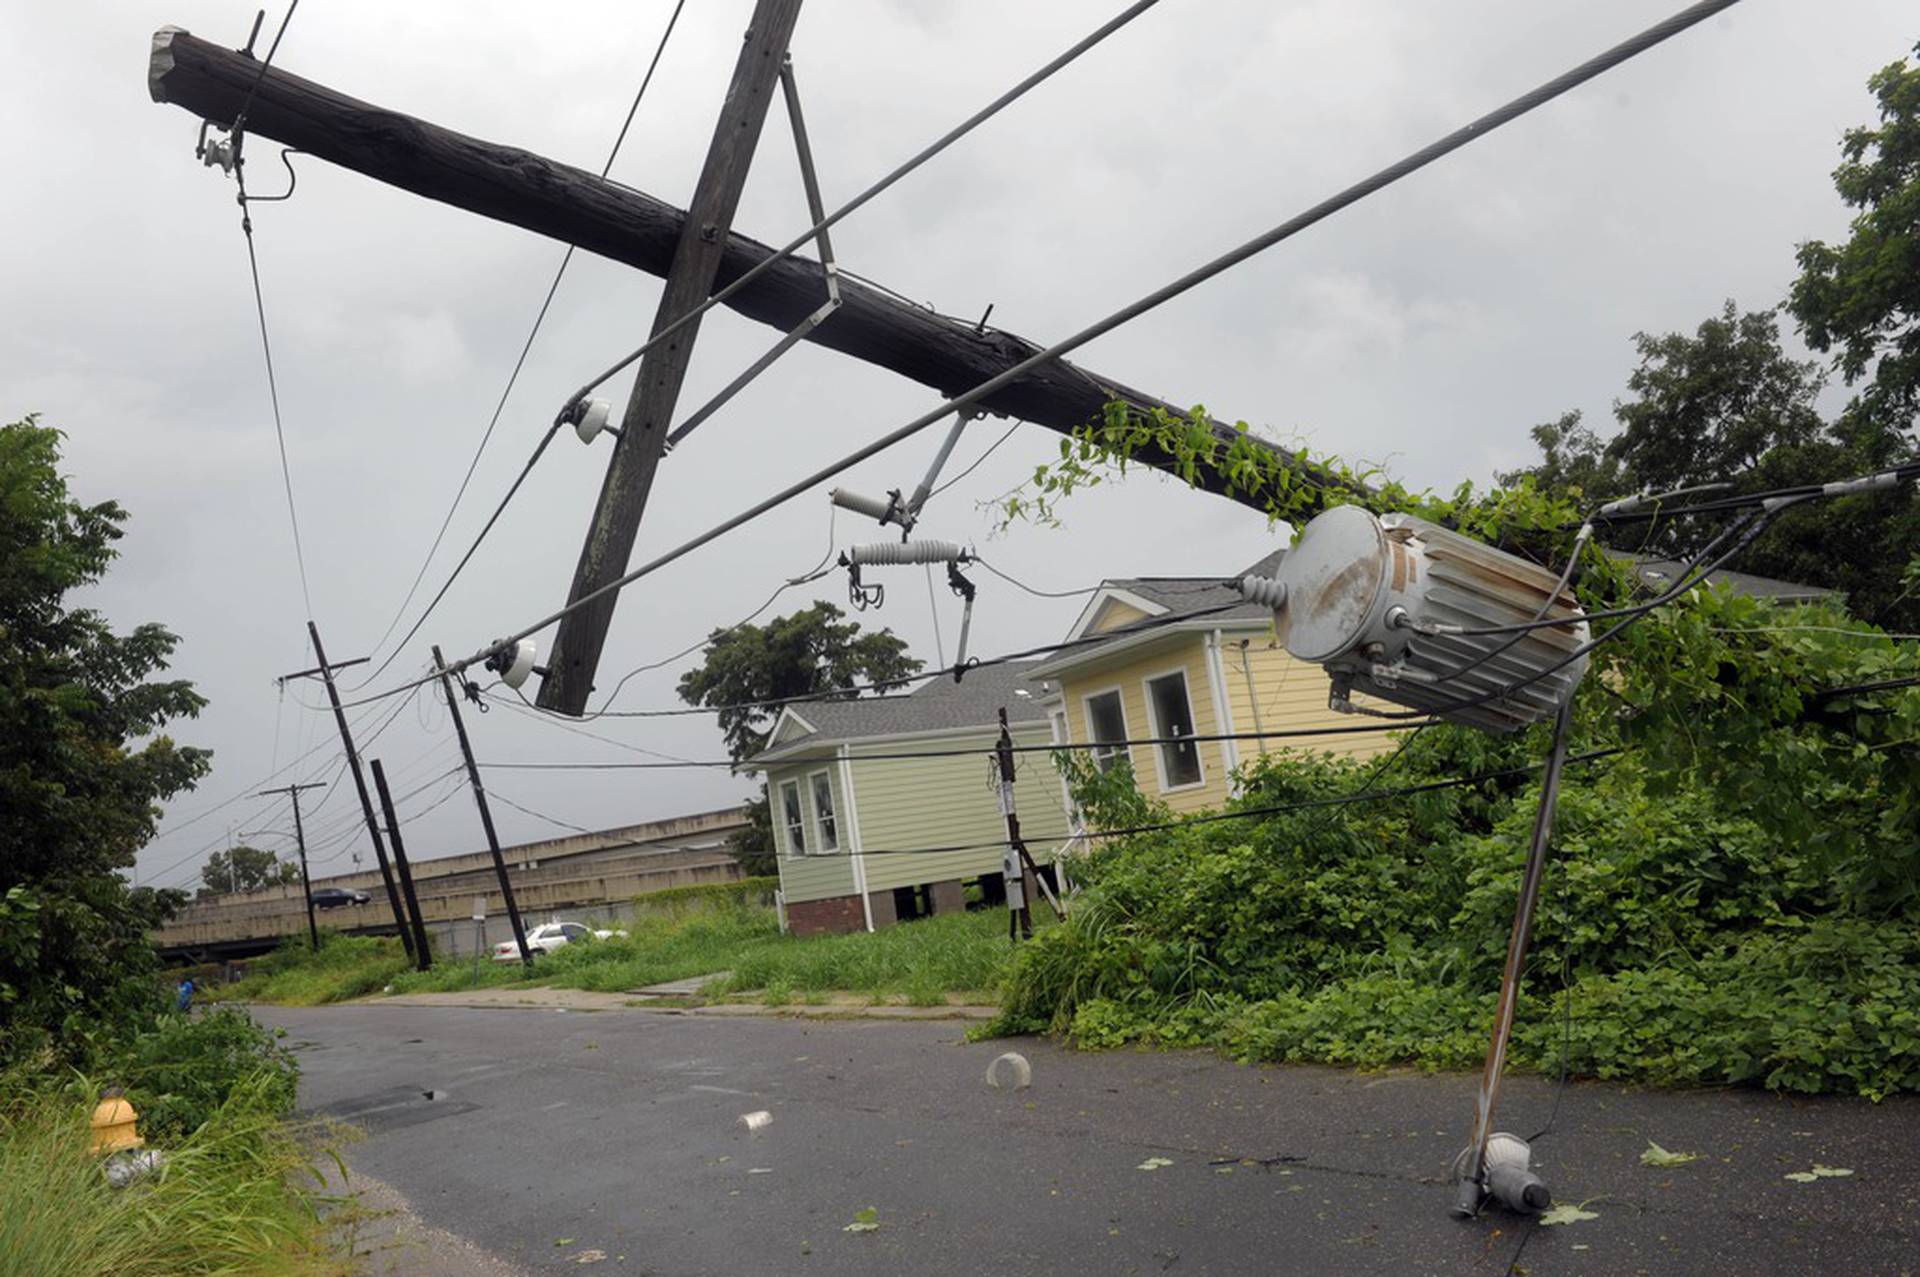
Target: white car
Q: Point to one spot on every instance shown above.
(551, 937)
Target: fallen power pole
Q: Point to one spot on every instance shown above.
(325, 673)
(625, 225)
(486, 813)
(300, 843)
(642, 440)
(422, 950)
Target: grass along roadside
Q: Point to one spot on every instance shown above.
(230, 1199)
(922, 963)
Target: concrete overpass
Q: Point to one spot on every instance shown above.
(591, 877)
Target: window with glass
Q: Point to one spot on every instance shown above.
(1106, 725)
(826, 830)
(1172, 713)
(792, 818)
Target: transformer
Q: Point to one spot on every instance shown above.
(1397, 608)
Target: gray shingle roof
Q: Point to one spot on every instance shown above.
(939, 704)
(1182, 594)
(1663, 574)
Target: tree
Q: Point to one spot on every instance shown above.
(84, 759)
(1727, 404)
(245, 868)
(808, 653)
(1861, 299)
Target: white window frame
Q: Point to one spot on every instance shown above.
(793, 831)
(1153, 721)
(821, 843)
(1093, 734)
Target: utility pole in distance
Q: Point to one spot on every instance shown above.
(486, 813)
(422, 951)
(325, 672)
(300, 841)
(649, 415)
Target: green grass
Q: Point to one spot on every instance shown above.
(294, 975)
(698, 934)
(228, 1200)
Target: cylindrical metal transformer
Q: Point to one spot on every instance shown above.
(1358, 591)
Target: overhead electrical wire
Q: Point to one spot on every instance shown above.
(1248, 813)
(513, 378)
(985, 751)
(1460, 137)
(832, 219)
(761, 268)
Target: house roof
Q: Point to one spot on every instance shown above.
(937, 705)
(1661, 574)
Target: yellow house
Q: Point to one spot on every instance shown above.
(1209, 665)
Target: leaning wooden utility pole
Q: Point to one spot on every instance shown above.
(300, 843)
(325, 673)
(649, 415)
(629, 226)
(486, 813)
(422, 951)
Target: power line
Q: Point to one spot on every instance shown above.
(812, 232)
(513, 378)
(985, 662)
(1293, 226)
(1361, 795)
(977, 461)
(1142, 742)
(812, 574)
(537, 815)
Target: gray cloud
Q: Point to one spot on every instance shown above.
(1430, 326)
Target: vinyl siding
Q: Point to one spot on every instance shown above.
(926, 802)
(1184, 652)
(811, 877)
(1114, 614)
(1291, 694)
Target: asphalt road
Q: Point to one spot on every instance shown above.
(620, 1132)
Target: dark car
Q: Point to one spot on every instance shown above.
(335, 897)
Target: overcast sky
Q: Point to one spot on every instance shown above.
(1426, 329)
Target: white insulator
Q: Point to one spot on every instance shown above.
(1264, 590)
(514, 665)
(859, 504)
(592, 419)
(885, 552)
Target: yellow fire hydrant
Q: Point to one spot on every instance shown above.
(113, 1125)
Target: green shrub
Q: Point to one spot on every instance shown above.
(344, 967)
(180, 1071)
(1690, 943)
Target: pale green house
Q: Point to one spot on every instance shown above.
(852, 821)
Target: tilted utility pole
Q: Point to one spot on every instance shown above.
(325, 673)
(300, 842)
(629, 226)
(486, 813)
(422, 951)
(649, 414)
